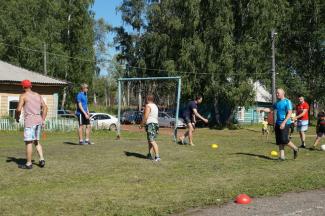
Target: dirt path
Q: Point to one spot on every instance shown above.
(311, 203)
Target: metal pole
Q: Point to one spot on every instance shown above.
(177, 107)
(45, 63)
(273, 33)
(119, 109)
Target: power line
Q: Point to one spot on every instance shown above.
(128, 66)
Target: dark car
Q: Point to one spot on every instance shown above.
(66, 114)
(131, 117)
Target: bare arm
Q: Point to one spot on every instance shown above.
(20, 107)
(145, 115)
(199, 116)
(82, 110)
(44, 109)
(264, 110)
(302, 114)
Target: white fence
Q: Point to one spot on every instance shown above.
(50, 125)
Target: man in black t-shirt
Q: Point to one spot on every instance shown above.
(189, 115)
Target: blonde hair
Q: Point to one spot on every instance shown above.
(84, 85)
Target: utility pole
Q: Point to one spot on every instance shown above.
(45, 60)
(273, 34)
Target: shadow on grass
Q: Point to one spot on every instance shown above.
(256, 155)
(134, 154)
(71, 143)
(18, 161)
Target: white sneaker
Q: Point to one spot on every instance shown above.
(157, 159)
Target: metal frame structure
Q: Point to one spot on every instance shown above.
(179, 83)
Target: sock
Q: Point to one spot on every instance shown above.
(157, 156)
(282, 154)
(303, 143)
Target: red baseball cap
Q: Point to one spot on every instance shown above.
(26, 84)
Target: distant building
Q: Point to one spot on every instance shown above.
(263, 98)
(10, 88)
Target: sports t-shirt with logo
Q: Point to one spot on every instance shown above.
(300, 108)
(188, 112)
(321, 125)
(282, 107)
(82, 98)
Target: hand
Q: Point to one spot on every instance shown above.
(206, 121)
(282, 126)
(43, 124)
(86, 116)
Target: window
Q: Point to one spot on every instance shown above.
(12, 108)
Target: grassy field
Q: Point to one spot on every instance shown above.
(113, 178)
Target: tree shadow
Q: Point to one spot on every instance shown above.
(71, 143)
(256, 155)
(134, 154)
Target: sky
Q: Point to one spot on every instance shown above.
(107, 9)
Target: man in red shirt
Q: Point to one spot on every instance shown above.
(302, 117)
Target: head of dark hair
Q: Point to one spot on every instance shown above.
(321, 114)
(198, 97)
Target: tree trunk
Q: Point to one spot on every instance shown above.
(216, 111)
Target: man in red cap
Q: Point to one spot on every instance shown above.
(35, 111)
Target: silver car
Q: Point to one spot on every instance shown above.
(165, 120)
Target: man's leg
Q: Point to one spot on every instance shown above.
(316, 141)
(302, 138)
(190, 134)
(155, 149)
(88, 129)
(80, 133)
(281, 149)
(39, 149)
(29, 152)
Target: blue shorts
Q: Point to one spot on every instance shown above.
(32, 133)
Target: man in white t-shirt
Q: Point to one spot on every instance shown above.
(150, 120)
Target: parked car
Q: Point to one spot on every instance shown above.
(103, 121)
(165, 120)
(66, 114)
(131, 117)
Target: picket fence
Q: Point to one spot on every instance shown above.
(50, 125)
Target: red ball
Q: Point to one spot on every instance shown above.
(243, 199)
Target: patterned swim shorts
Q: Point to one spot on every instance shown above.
(152, 131)
(32, 133)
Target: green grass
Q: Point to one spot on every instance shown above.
(102, 180)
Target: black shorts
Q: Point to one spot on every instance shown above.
(82, 119)
(282, 136)
(187, 120)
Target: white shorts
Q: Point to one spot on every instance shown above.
(32, 133)
(302, 125)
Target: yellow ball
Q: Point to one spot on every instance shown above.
(214, 146)
(274, 153)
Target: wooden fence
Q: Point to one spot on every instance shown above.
(50, 125)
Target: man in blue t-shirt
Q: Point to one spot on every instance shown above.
(83, 114)
(283, 109)
(189, 115)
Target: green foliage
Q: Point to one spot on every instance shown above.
(221, 47)
(67, 29)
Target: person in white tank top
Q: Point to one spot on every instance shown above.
(150, 121)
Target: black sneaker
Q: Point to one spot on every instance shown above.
(25, 166)
(42, 163)
(295, 153)
(302, 145)
(82, 143)
(149, 156)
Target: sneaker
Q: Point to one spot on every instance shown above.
(181, 141)
(157, 159)
(191, 144)
(82, 143)
(313, 148)
(25, 166)
(302, 146)
(149, 156)
(281, 159)
(89, 142)
(295, 153)
(42, 163)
